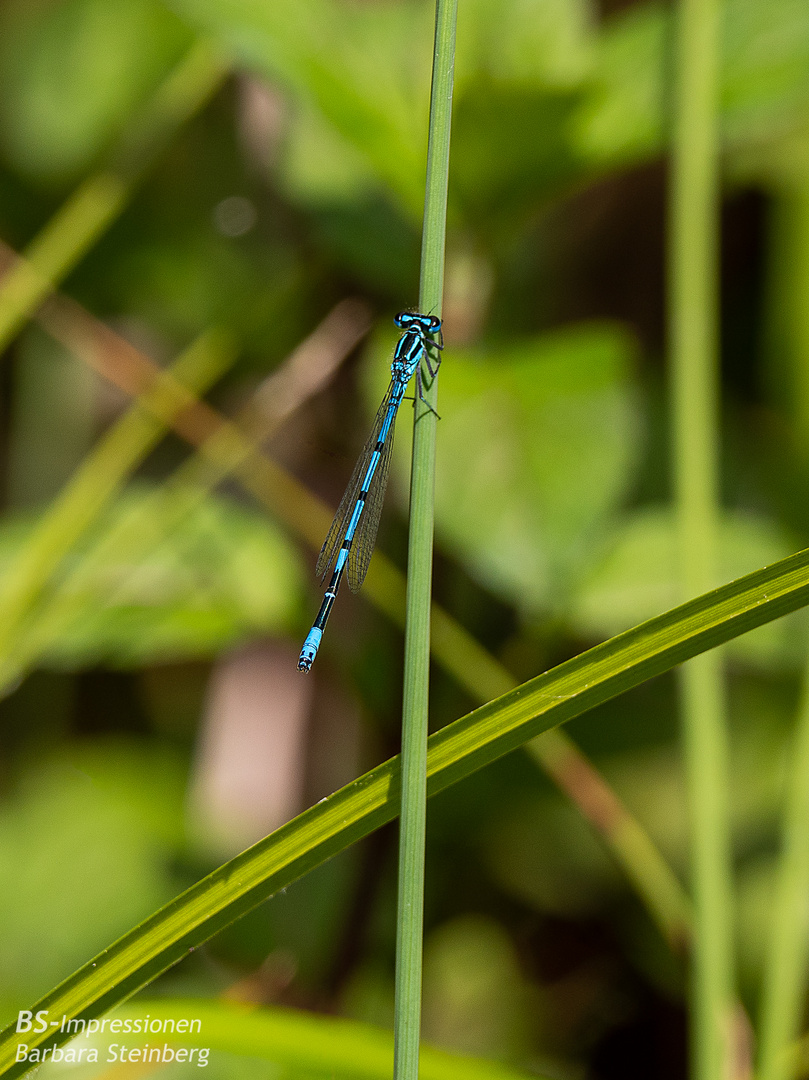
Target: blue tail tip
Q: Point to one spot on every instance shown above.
(309, 650)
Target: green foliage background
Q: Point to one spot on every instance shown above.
(553, 513)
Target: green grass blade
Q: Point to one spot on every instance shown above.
(786, 963)
(454, 752)
(304, 1042)
(415, 701)
(785, 975)
(693, 299)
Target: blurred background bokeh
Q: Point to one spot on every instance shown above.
(152, 721)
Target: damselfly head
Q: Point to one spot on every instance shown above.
(426, 323)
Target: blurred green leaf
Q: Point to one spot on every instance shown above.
(218, 575)
(475, 996)
(521, 70)
(55, 394)
(357, 65)
(105, 821)
(637, 577)
(182, 276)
(542, 97)
(531, 43)
(319, 166)
(764, 80)
(369, 240)
(72, 72)
(621, 120)
(546, 855)
(358, 78)
(765, 86)
(550, 430)
(510, 151)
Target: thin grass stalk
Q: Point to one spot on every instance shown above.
(787, 958)
(415, 704)
(98, 201)
(693, 303)
(224, 450)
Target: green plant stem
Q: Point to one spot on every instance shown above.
(786, 322)
(454, 752)
(99, 200)
(693, 302)
(415, 704)
(786, 960)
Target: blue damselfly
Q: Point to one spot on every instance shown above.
(352, 535)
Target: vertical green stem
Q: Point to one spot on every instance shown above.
(785, 972)
(787, 302)
(419, 576)
(693, 304)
